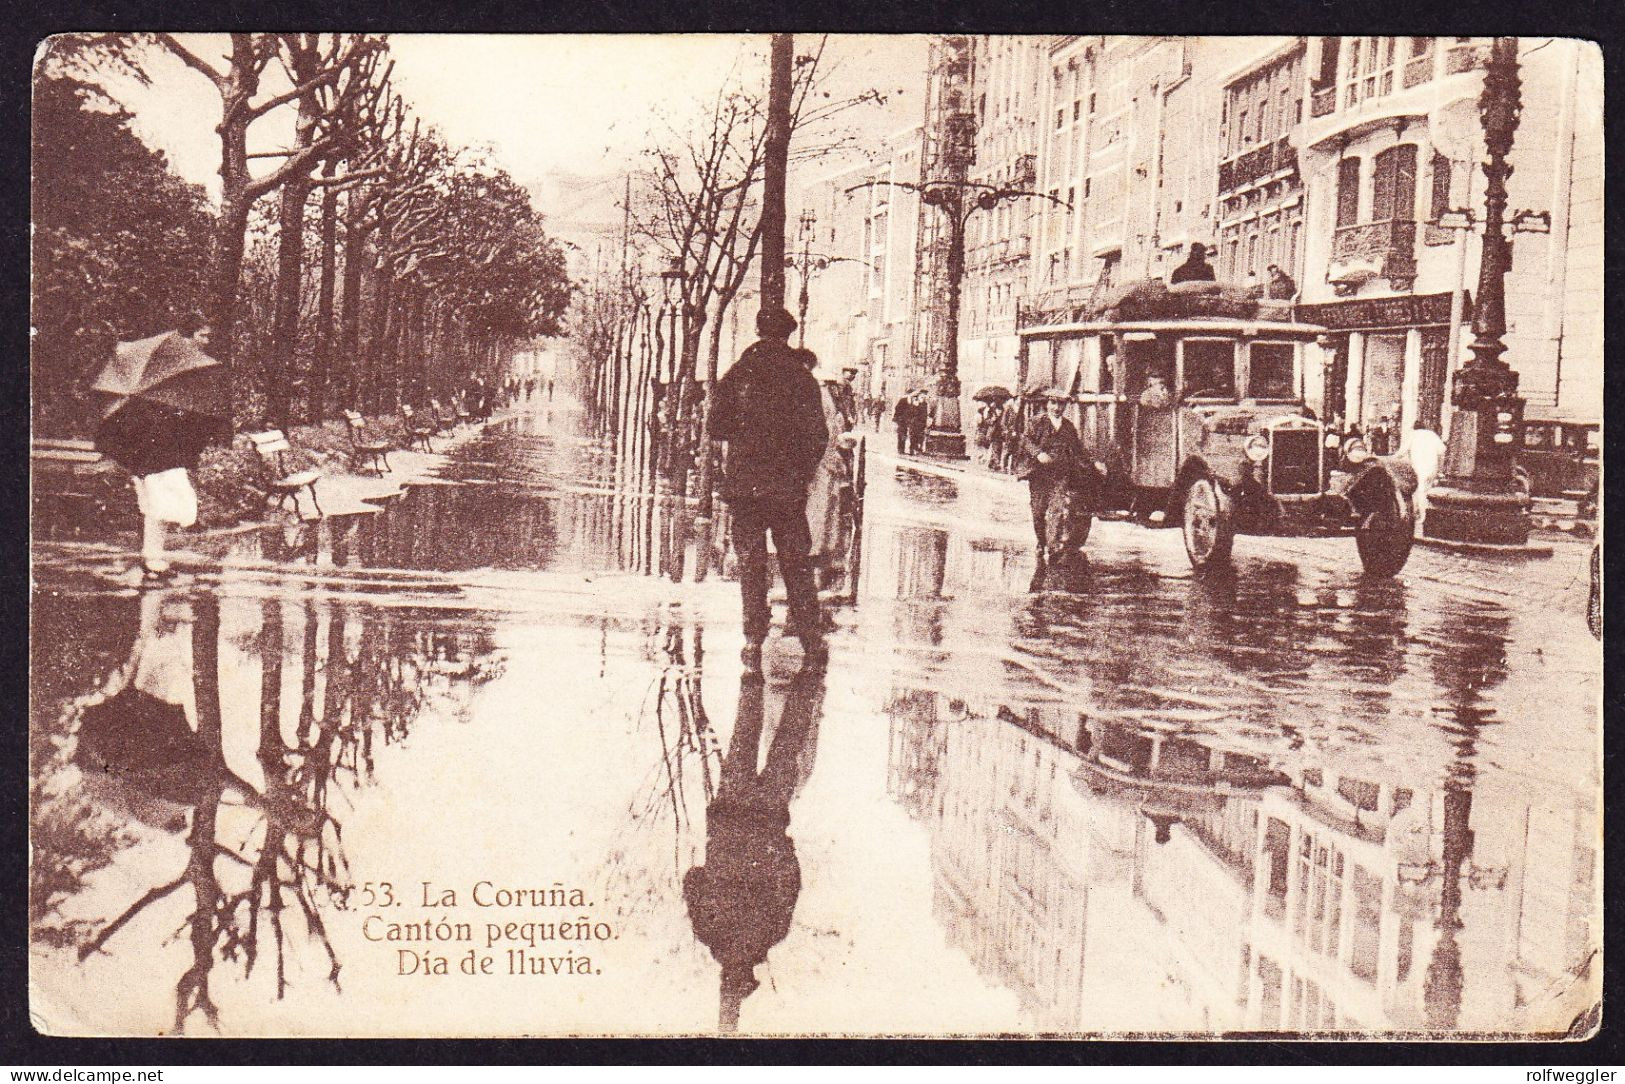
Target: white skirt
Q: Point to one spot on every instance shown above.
(167, 496)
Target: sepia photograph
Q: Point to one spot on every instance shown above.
(818, 535)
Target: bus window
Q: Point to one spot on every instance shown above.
(1143, 358)
(1210, 369)
(1270, 371)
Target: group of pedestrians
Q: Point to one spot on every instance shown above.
(911, 416)
(998, 434)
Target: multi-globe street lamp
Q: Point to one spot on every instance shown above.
(807, 263)
(1479, 500)
(958, 200)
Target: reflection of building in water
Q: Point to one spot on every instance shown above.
(1194, 810)
(1096, 868)
(930, 562)
(1025, 868)
(1353, 909)
(1012, 895)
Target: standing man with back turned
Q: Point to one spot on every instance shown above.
(769, 412)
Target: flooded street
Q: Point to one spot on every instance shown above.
(337, 758)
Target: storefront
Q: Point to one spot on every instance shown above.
(1388, 363)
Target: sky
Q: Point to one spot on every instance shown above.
(548, 106)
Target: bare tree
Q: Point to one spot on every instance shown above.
(239, 86)
(698, 206)
(328, 116)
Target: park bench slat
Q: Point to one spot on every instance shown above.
(375, 451)
(272, 446)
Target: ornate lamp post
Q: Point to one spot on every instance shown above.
(807, 264)
(1479, 500)
(958, 200)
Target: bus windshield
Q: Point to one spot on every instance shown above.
(1210, 369)
(1269, 371)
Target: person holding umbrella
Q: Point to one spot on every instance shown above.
(167, 402)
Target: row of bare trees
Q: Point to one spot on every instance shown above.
(694, 219)
(362, 261)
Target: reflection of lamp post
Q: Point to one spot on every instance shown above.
(958, 200)
(1441, 986)
(1479, 500)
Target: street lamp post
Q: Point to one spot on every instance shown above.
(1480, 501)
(809, 221)
(807, 264)
(958, 200)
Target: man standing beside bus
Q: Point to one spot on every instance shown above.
(1052, 453)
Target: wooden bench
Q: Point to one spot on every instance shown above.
(75, 473)
(418, 428)
(366, 450)
(64, 451)
(273, 447)
(445, 419)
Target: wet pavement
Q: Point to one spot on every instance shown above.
(484, 730)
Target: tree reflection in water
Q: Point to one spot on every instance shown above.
(263, 845)
(741, 899)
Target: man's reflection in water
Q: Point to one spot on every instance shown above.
(740, 901)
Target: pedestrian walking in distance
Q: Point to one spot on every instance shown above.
(918, 421)
(903, 417)
(770, 414)
(1052, 453)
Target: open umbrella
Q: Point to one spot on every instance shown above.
(166, 402)
(993, 393)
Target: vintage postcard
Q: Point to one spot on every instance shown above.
(931, 535)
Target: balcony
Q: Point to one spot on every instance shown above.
(1441, 60)
(1465, 58)
(1026, 170)
(1373, 249)
(1271, 158)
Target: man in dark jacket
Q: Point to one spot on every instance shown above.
(919, 421)
(769, 412)
(903, 417)
(1195, 268)
(1052, 454)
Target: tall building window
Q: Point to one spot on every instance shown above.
(1327, 75)
(1393, 184)
(1439, 200)
(1348, 192)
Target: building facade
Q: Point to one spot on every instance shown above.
(998, 242)
(859, 241)
(1322, 170)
